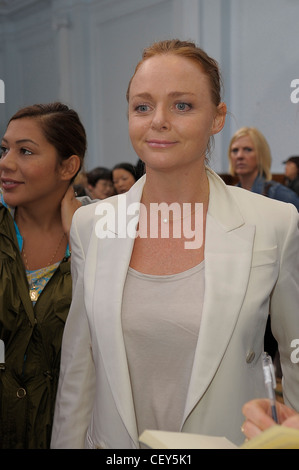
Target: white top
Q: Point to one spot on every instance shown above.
(161, 318)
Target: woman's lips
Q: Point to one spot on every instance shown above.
(9, 184)
(160, 143)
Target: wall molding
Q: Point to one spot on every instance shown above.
(10, 8)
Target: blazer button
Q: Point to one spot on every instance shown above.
(250, 356)
(21, 392)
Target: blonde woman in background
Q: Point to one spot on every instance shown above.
(250, 160)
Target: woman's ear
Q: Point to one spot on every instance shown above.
(219, 119)
(70, 167)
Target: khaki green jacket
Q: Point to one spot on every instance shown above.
(32, 340)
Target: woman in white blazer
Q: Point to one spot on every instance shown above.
(166, 331)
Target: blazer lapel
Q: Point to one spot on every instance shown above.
(228, 253)
(113, 258)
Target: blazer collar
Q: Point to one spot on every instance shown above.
(222, 205)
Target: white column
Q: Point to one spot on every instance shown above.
(62, 26)
(186, 19)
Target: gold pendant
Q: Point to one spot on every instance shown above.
(33, 295)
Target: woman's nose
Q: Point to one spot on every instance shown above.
(239, 153)
(8, 161)
(160, 119)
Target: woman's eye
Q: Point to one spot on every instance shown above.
(3, 151)
(26, 151)
(183, 106)
(142, 108)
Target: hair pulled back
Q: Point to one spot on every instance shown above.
(190, 51)
(61, 127)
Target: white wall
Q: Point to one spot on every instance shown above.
(28, 58)
(264, 61)
(83, 52)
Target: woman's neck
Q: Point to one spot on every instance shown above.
(35, 217)
(181, 187)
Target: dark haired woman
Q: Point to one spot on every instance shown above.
(99, 183)
(41, 153)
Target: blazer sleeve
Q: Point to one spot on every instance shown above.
(76, 385)
(284, 307)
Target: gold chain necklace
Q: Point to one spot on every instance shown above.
(32, 290)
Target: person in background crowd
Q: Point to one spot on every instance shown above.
(80, 184)
(124, 176)
(250, 160)
(99, 183)
(292, 173)
(163, 335)
(42, 151)
(140, 169)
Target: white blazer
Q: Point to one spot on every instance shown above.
(251, 269)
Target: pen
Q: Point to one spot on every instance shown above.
(270, 382)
